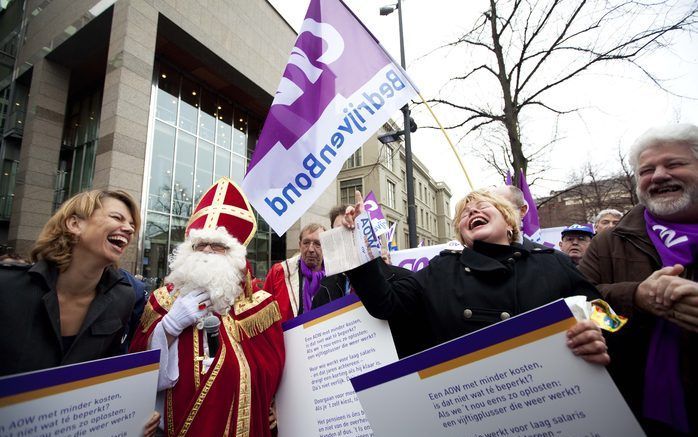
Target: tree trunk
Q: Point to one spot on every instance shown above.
(511, 116)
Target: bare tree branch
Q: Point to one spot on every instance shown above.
(535, 46)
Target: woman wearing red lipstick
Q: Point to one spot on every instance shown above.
(72, 305)
(491, 279)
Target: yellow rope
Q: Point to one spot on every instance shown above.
(455, 152)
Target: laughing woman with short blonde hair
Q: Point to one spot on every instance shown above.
(491, 279)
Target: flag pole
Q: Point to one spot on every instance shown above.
(455, 152)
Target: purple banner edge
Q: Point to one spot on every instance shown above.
(319, 312)
(24, 382)
(469, 343)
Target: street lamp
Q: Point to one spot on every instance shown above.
(411, 209)
(393, 137)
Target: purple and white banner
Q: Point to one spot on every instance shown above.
(418, 258)
(378, 221)
(390, 236)
(530, 225)
(338, 88)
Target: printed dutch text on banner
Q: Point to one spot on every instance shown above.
(108, 397)
(514, 378)
(338, 88)
(324, 348)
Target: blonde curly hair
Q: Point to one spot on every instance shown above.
(56, 242)
(506, 208)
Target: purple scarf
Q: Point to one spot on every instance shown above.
(311, 284)
(676, 243)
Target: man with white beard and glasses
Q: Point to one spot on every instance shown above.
(647, 269)
(220, 336)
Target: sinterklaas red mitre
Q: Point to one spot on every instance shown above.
(225, 205)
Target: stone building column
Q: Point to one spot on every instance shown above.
(41, 145)
(123, 131)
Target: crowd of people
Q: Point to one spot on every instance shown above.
(219, 328)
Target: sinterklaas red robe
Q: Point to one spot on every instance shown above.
(233, 397)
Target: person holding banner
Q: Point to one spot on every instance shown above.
(491, 279)
(408, 338)
(298, 283)
(337, 215)
(220, 336)
(516, 197)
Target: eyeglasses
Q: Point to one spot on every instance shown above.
(215, 247)
(580, 238)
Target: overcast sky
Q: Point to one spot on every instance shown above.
(618, 105)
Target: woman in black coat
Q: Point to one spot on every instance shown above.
(492, 279)
(72, 305)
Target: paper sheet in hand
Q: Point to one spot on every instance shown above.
(324, 348)
(344, 249)
(109, 397)
(516, 377)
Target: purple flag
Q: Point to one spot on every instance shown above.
(338, 88)
(531, 226)
(390, 236)
(380, 225)
(508, 179)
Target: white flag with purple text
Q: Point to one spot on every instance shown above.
(338, 88)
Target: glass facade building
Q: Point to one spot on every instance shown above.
(197, 137)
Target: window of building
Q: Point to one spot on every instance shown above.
(347, 189)
(7, 185)
(353, 161)
(198, 137)
(390, 201)
(76, 163)
(389, 157)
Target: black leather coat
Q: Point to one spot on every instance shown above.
(30, 319)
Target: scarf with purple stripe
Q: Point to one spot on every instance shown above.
(311, 284)
(676, 243)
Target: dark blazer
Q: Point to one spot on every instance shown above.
(331, 288)
(30, 319)
(140, 295)
(461, 292)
